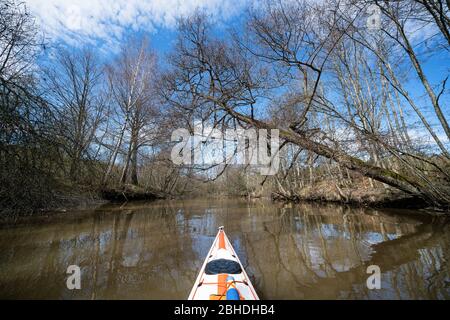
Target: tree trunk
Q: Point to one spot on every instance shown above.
(114, 154)
(134, 176)
(123, 178)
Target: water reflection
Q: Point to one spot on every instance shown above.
(154, 251)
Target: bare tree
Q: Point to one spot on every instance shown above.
(19, 42)
(75, 90)
(132, 79)
(439, 11)
(400, 14)
(27, 153)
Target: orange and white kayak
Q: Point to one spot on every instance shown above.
(222, 276)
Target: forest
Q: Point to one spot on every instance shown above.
(358, 91)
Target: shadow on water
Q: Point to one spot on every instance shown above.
(154, 251)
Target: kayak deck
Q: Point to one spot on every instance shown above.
(222, 276)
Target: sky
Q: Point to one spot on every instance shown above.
(104, 23)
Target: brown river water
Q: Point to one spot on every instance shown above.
(155, 250)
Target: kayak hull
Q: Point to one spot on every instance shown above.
(222, 276)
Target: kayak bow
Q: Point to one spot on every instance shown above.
(222, 276)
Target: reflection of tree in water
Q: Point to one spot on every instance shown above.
(137, 250)
(146, 258)
(325, 255)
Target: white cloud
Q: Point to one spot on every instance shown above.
(91, 20)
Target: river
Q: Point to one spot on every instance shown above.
(290, 251)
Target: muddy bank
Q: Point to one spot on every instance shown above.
(405, 202)
(131, 193)
(362, 196)
(81, 202)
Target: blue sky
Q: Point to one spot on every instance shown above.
(105, 23)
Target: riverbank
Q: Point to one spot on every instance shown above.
(363, 194)
(82, 200)
(131, 193)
